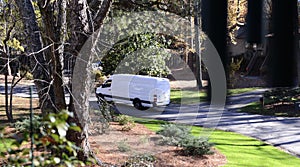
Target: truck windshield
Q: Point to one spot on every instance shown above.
(107, 84)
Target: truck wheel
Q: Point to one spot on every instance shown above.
(137, 104)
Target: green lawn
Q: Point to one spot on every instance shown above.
(194, 96)
(187, 96)
(240, 90)
(240, 150)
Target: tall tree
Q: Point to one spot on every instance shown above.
(82, 26)
(38, 62)
(285, 49)
(7, 28)
(10, 51)
(197, 22)
(54, 28)
(46, 62)
(254, 21)
(214, 24)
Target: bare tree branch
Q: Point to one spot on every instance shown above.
(102, 13)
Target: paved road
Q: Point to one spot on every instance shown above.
(20, 90)
(278, 131)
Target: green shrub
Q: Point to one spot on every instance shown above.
(281, 95)
(126, 121)
(143, 160)
(196, 146)
(172, 134)
(179, 135)
(128, 126)
(50, 146)
(24, 124)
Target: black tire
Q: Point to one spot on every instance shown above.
(138, 105)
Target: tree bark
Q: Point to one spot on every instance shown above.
(7, 72)
(82, 25)
(197, 23)
(285, 49)
(38, 62)
(214, 24)
(81, 31)
(55, 38)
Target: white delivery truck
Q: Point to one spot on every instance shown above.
(141, 91)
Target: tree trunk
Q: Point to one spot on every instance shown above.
(8, 114)
(6, 53)
(81, 26)
(214, 24)
(38, 62)
(81, 81)
(254, 21)
(56, 39)
(285, 49)
(13, 85)
(197, 23)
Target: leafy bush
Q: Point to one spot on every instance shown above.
(128, 126)
(179, 135)
(24, 125)
(50, 146)
(281, 95)
(172, 134)
(196, 146)
(126, 121)
(144, 160)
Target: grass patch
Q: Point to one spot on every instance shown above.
(246, 151)
(195, 96)
(240, 90)
(187, 96)
(238, 149)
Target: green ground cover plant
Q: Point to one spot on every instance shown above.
(240, 90)
(49, 144)
(282, 111)
(276, 102)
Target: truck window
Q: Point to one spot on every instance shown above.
(107, 84)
